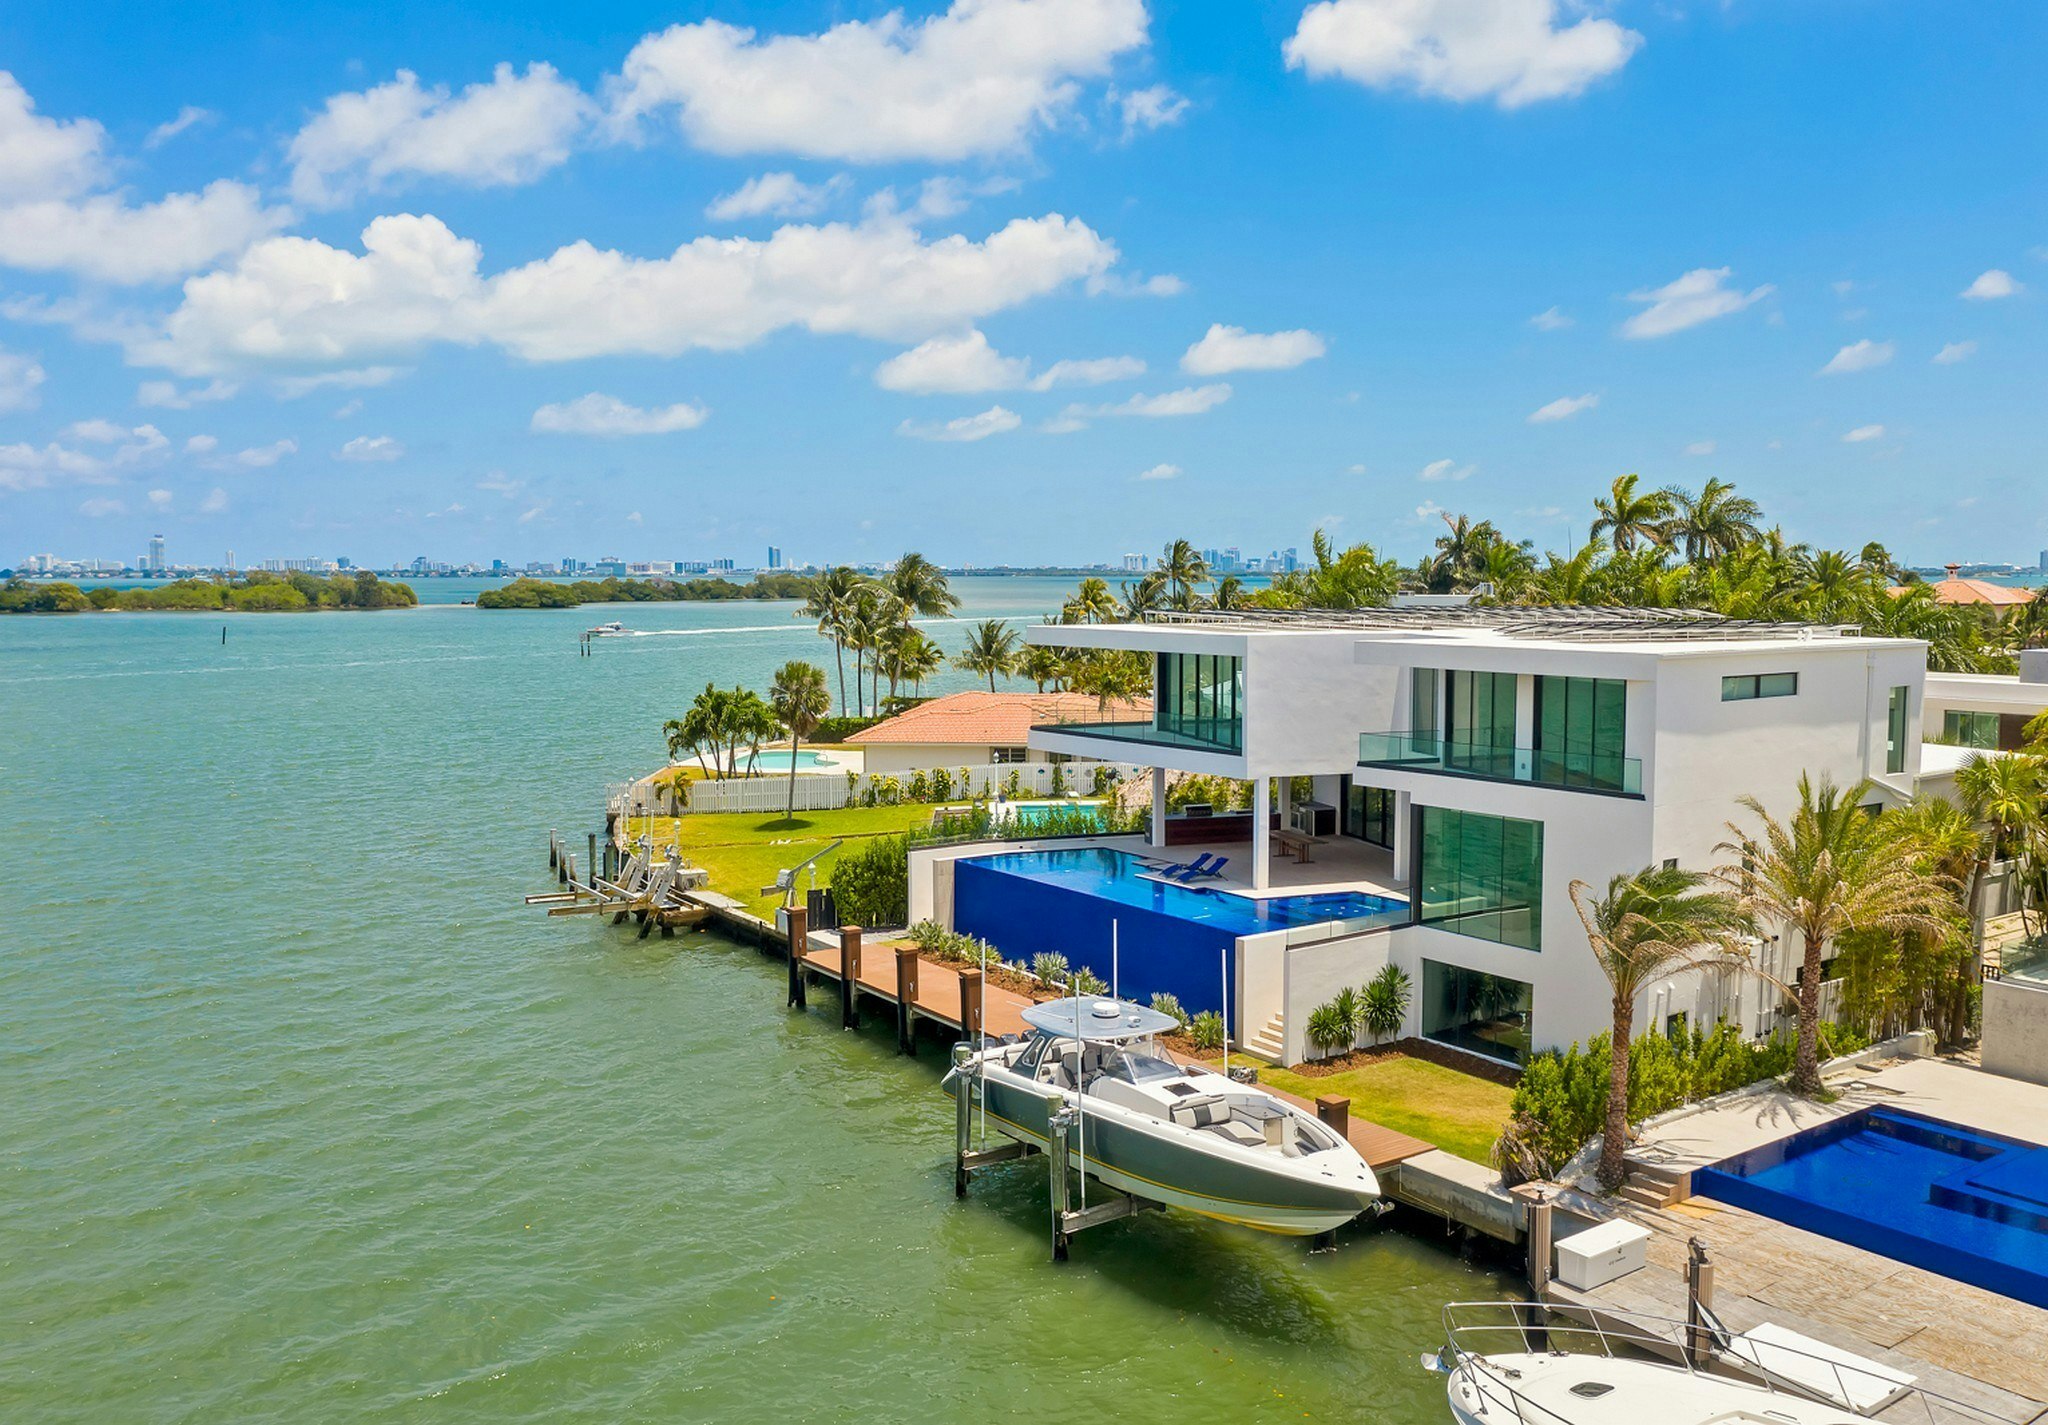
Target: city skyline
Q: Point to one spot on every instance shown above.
(1133, 262)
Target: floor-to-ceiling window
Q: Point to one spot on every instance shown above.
(1479, 722)
(1895, 730)
(1485, 1014)
(1198, 698)
(1580, 732)
(1423, 721)
(1970, 729)
(1369, 813)
(1481, 876)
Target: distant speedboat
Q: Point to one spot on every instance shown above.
(1165, 1132)
(614, 629)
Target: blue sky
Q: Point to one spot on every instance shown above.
(1013, 280)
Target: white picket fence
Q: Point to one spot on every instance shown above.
(828, 791)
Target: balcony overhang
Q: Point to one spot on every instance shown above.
(1118, 742)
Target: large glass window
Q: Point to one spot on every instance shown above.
(1369, 814)
(1969, 729)
(1422, 705)
(1895, 731)
(1744, 686)
(1198, 698)
(1482, 876)
(1484, 1014)
(1580, 727)
(1479, 723)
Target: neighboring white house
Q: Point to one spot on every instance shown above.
(1496, 755)
(980, 729)
(1987, 711)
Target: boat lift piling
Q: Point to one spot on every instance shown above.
(799, 938)
(967, 1159)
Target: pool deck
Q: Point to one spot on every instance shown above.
(1340, 864)
(1961, 1341)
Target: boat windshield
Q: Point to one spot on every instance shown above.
(1138, 1065)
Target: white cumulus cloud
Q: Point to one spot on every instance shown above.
(1226, 349)
(216, 501)
(160, 499)
(1955, 351)
(1160, 472)
(368, 449)
(598, 414)
(979, 78)
(1859, 356)
(1563, 409)
(298, 302)
(1550, 319)
(262, 457)
(775, 195)
(993, 421)
(511, 129)
(42, 157)
(169, 396)
(1445, 470)
(1188, 401)
(1155, 107)
(1863, 433)
(1699, 296)
(21, 381)
(1513, 52)
(1702, 447)
(1991, 286)
(186, 118)
(966, 364)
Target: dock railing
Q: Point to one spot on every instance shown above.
(1522, 1327)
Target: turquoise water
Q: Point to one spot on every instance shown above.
(1039, 813)
(307, 1118)
(774, 761)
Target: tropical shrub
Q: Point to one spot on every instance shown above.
(1103, 780)
(1328, 1029)
(887, 790)
(1050, 968)
(1087, 982)
(1170, 1005)
(920, 788)
(1013, 785)
(871, 884)
(1059, 779)
(941, 784)
(838, 729)
(1386, 1001)
(1206, 1030)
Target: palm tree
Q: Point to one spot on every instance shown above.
(1628, 518)
(1356, 579)
(1230, 593)
(829, 598)
(800, 700)
(1653, 923)
(1714, 522)
(753, 722)
(919, 658)
(1938, 971)
(920, 586)
(1092, 603)
(1460, 553)
(1184, 571)
(991, 649)
(1042, 665)
(1146, 596)
(2003, 792)
(1834, 868)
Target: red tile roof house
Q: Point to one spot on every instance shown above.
(979, 729)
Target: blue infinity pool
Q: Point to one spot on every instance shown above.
(1171, 939)
(1967, 1204)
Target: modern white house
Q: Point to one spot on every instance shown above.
(1463, 767)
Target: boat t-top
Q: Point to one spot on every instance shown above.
(1163, 1131)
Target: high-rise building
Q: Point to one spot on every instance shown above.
(230, 565)
(153, 562)
(2041, 565)
(774, 557)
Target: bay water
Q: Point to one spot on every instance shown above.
(303, 1116)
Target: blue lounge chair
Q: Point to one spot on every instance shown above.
(1211, 872)
(1195, 867)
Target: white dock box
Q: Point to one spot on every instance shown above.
(1598, 1255)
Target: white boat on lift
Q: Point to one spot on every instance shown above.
(1162, 1131)
(1520, 1363)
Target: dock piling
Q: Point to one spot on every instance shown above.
(963, 1116)
(593, 853)
(1699, 1304)
(849, 976)
(970, 1003)
(554, 849)
(799, 937)
(1058, 1121)
(906, 999)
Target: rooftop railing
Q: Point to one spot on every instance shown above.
(1572, 768)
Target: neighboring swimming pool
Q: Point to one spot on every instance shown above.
(1078, 815)
(1170, 938)
(1963, 1203)
(778, 760)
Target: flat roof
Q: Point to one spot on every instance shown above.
(1549, 623)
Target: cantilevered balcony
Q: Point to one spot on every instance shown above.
(1572, 768)
(1223, 735)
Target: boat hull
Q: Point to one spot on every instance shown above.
(1156, 1163)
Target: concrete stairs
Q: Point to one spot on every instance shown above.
(1655, 1186)
(1270, 1043)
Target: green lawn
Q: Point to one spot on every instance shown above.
(1459, 1113)
(744, 850)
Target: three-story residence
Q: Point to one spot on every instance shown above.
(1463, 766)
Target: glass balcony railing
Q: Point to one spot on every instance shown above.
(1204, 735)
(1569, 767)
